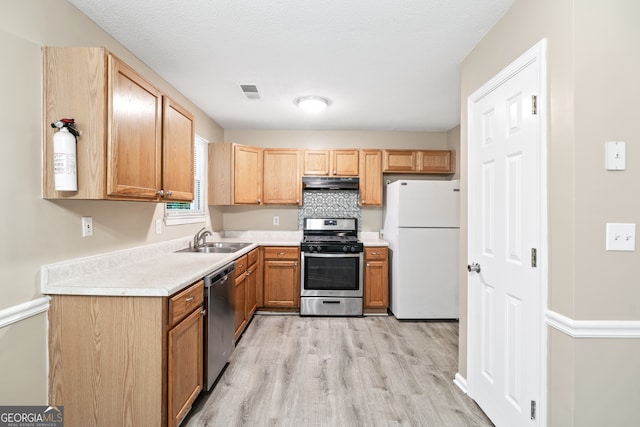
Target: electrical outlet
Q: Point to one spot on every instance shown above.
(158, 226)
(276, 220)
(87, 226)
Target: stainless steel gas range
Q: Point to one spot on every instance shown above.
(331, 268)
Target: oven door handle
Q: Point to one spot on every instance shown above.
(338, 255)
(331, 302)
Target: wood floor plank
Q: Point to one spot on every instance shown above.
(314, 371)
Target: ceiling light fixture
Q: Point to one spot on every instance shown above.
(312, 104)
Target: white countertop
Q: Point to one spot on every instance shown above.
(156, 270)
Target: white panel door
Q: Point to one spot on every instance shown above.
(504, 227)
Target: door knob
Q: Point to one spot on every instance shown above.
(475, 267)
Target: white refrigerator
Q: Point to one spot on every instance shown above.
(422, 226)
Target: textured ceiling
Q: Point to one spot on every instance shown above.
(383, 64)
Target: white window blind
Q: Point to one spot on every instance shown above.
(184, 212)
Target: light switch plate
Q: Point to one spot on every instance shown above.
(615, 155)
(621, 237)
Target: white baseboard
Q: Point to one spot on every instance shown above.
(23, 311)
(593, 328)
(460, 382)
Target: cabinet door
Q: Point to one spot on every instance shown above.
(400, 161)
(240, 298)
(344, 162)
(185, 366)
(281, 283)
(376, 278)
(281, 177)
(134, 134)
(432, 161)
(177, 152)
(251, 288)
(247, 175)
(376, 292)
(316, 162)
(371, 178)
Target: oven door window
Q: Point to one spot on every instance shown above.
(331, 273)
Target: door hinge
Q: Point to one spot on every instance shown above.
(533, 409)
(534, 257)
(534, 104)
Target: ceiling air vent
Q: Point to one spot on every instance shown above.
(250, 91)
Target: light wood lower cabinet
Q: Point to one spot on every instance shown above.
(281, 280)
(240, 295)
(125, 360)
(376, 280)
(245, 290)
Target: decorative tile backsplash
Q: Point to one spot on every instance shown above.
(329, 204)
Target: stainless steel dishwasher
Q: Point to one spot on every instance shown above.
(219, 322)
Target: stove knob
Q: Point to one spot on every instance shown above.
(353, 249)
(319, 248)
(313, 248)
(345, 249)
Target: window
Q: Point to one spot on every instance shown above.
(184, 212)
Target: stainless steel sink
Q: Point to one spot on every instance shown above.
(217, 247)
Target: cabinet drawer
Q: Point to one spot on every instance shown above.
(281, 252)
(375, 253)
(241, 265)
(183, 303)
(252, 257)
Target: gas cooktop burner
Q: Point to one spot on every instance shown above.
(331, 235)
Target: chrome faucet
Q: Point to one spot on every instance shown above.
(200, 239)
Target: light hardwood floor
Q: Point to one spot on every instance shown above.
(316, 371)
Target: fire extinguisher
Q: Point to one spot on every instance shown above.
(64, 155)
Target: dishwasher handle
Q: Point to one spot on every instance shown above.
(220, 275)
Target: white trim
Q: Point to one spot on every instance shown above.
(23, 311)
(593, 328)
(460, 382)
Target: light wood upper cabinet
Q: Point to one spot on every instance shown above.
(331, 162)
(178, 135)
(418, 161)
(370, 178)
(344, 162)
(316, 162)
(247, 175)
(134, 134)
(282, 181)
(121, 148)
(235, 174)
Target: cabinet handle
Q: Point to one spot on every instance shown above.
(169, 193)
(189, 299)
(248, 273)
(295, 264)
(335, 173)
(364, 202)
(368, 265)
(160, 193)
(259, 200)
(281, 253)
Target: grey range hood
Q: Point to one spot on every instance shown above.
(310, 183)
